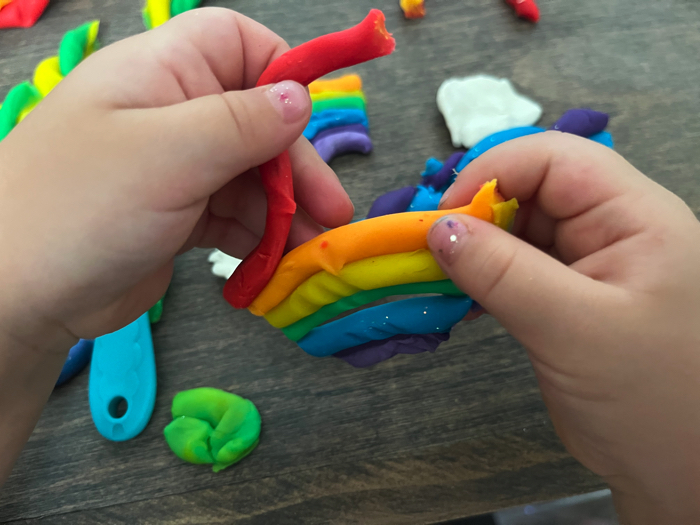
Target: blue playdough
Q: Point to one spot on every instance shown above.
(123, 374)
(432, 166)
(494, 140)
(603, 138)
(332, 118)
(78, 358)
(425, 199)
(419, 315)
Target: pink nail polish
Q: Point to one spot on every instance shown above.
(290, 99)
(446, 238)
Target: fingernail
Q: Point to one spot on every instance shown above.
(446, 237)
(445, 195)
(290, 99)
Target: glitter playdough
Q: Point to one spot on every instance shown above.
(211, 426)
(478, 106)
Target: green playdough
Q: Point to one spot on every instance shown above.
(156, 311)
(19, 97)
(339, 103)
(73, 48)
(302, 327)
(180, 6)
(211, 426)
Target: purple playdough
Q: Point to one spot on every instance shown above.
(374, 352)
(396, 201)
(342, 142)
(582, 122)
(356, 128)
(442, 177)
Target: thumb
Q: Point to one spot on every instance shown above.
(538, 299)
(212, 139)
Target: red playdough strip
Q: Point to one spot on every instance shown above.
(21, 13)
(526, 9)
(304, 64)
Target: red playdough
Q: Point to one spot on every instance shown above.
(21, 13)
(526, 9)
(304, 64)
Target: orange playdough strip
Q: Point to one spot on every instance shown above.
(3, 3)
(389, 234)
(345, 83)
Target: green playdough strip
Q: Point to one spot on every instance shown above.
(156, 311)
(73, 48)
(180, 6)
(302, 327)
(211, 426)
(19, 97)
(339, 103)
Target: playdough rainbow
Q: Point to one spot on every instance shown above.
(364, 262)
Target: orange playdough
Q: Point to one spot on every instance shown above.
(389, 234)
(345, 83)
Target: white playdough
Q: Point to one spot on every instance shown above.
(223, 265)
(478, 106)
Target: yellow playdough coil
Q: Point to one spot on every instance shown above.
(327, 95)
(47, 75)
(158, 12)
(347, 83)
(389, 234)
(368, 274)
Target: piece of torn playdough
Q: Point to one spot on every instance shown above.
(211, 426)
(375, 352)
(21, 13)
(582, 122)
(395, 201)
(223, 265)
(526, 9)
(340, 143)
(412, 8)
(389, 234)
(477, 106)
(156, 12)
(303, 64)
(75, 46)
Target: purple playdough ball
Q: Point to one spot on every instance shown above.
(582, 122)
(396, 201)
(374, 352)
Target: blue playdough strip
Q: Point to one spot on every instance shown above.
(425, 199)
(332, 118)
(420, 315)
(123, 370)
(78, 358)
(494, 140)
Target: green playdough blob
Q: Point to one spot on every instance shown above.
(73, 48)
(212, 426)
(19, 97)
(303, 326)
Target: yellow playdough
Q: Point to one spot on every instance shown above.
(389, 234)
(327, 95)
(368, 274)
(345, 84)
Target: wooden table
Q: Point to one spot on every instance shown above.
(417, 439)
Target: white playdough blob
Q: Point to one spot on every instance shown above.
(223, 265)
(478, 106)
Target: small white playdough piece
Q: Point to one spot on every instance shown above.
(223, 265)
(481, 105)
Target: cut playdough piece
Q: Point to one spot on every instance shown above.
(223, 265)
(211, 426)
(330, 251)
(396, 201)
(582, 122)
(375, 352)
(478, 106)
(346, 84)
(526, 9)
(21, 13)
(340, 143)
(412, 8)
(420, 315)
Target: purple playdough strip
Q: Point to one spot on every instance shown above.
(396, 201)
(357, 128)
(442, 177)
(582, 122)
(342, 142)
(374, 352)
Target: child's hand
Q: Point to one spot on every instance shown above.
(144, 151)
(606, 300)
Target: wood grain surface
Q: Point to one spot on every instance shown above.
(417, 439)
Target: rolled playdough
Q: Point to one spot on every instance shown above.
(342, 142)
(375, 352)
(443, 176)
(333, 118)
(396, 201)
(582, 122)
(346, 83)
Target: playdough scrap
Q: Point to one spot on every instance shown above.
(211, 426)
(478, 106)
(223, 265)
(21, 13)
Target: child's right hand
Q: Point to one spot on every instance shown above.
(604, 293)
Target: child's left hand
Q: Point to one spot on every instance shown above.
(145, 151)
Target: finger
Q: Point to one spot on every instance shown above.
(317, 189)
(226, 234)
(535, 297)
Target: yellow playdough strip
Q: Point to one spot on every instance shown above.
(324, 288)
(158, 12)
(389, 234)
(345, 83)
(326, 95)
